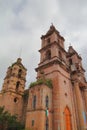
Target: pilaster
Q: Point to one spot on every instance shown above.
(80, 107)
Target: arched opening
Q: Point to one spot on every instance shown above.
(48, 55)
(19, 73)
(17, 85)
(60, 55)
(32, 122)
(47, 101)
(34, 101)
(70, 61)
(15, 99)
(48, 40)
(67, 119)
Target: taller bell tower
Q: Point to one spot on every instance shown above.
(52, 51)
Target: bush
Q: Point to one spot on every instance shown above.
(47, 82)
(8, 121)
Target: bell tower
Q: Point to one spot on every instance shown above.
(15, 78)
(79, 86)
(75, 63)
(52, 51)
(54, 65)
(13, 89)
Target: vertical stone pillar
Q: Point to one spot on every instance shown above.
(80, 107)
(56, 105)
(85, 97)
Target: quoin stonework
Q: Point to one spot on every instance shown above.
(57, 100)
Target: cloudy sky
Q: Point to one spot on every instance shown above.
(22, 22)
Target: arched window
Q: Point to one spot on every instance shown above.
(47, 101)
(70, 61)
(19, 73)
(48, 55)
(60, 55)
(34, 101)
(47, 124)
(48, 40)
(32, 122)
(17, 85)
(67, 119)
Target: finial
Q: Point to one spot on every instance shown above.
(19, 60)
(52, 26)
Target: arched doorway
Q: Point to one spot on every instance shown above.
(67, 119)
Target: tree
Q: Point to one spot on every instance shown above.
(8, 121)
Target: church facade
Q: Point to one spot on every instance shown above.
(58, 98)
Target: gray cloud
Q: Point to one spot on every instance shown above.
(22, 22)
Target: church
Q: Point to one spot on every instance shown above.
(57, 100)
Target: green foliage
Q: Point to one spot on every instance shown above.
(8, 121)
(47, 82)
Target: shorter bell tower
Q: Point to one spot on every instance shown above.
(12, 92)
(15, 78)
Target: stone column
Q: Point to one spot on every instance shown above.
(56, 104)
(85, 97)
(80, 107)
